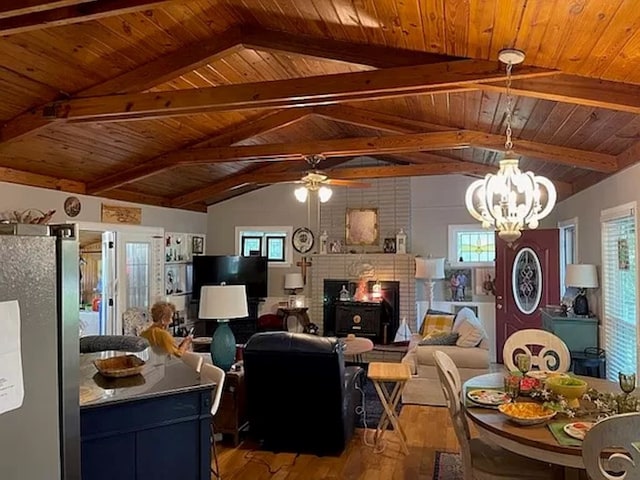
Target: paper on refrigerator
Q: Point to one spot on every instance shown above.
(11, 380)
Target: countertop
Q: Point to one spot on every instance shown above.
(161, 375)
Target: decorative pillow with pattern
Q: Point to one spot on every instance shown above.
(438, 337)
(438, 321)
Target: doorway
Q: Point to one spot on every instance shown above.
(121, 268)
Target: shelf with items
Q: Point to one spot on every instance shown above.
(180, 249)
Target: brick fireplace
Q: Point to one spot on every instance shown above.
(378, 266)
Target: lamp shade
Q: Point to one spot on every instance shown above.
(580, 275)
(223, 302)
(430, 268)
(293, 281)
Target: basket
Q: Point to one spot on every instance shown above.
(121, 366)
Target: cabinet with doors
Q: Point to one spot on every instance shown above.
(179, 250)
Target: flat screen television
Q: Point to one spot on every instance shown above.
(232, 269)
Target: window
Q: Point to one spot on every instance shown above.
(568, 248)
(619, 289)
(471, 244)
(270, 242)
(137, 263)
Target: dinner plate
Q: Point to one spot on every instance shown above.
(577, 429)
(543, 374)
(488, 397)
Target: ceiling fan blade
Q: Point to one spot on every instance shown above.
(346, 183)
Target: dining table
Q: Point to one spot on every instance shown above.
(533, 441)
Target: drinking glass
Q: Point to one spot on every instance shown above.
(523, 362)
(627, 383)
(512, 385)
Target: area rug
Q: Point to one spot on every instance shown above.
(448, 466)
(423, 391)
(372, 407)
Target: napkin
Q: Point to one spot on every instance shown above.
(561, 437)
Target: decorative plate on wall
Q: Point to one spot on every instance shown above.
(302, 240)
(72, 206)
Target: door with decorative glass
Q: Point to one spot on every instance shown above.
(527, 278)
(139, 272)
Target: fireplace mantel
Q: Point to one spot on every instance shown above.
(368, 266)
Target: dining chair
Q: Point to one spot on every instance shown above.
(620, 431)
(481, 460)
(194, 360)
(553, 353)
(211, 374)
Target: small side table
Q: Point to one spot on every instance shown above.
(300, 314)
(356, 346)
(231, 417)
(398, 373)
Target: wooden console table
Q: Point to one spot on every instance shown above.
(231, 417)
(300, 315)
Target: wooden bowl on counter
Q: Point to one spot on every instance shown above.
(120, 366)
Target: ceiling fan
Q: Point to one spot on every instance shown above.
(317, 181)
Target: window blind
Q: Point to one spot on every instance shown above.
(619, 291)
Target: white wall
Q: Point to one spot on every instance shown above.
(437, 202)
(270, 206)
(20, 197)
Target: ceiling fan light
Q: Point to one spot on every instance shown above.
(324, 193)
(301, 194)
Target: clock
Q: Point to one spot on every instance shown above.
(302, 240)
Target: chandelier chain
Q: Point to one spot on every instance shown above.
(508, 144)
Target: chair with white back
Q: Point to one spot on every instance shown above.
(481, 460)
(194, 360)
(211, 374)
(553, 353)
(623, 433)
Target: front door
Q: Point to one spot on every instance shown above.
(527, 278)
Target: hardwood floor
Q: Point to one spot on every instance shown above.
(428, 429)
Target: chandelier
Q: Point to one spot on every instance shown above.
(510, 200)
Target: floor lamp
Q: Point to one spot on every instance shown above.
(223, 303)
(429, 269)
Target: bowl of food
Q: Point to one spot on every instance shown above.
(526, 413)
(120, 366)
(571, 388)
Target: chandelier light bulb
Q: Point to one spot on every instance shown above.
(324, 193)
(301, 194)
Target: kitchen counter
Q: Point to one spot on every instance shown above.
(127, 419)
(161, 375)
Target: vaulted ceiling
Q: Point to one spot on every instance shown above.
(187, 103)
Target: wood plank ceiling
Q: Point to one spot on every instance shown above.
(187, 103)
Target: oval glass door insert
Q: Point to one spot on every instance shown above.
(526, 281)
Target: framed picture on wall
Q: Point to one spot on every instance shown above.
(362, 226)
(485, 283)
(197, 245)
(458, 284)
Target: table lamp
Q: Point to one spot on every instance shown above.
(430, 269)
(581, 276)
(292, 282)
(223, 303)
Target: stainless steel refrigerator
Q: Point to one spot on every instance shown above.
(39, 268)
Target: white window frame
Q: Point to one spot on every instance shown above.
(562, 226)
(453, 244)
(288, 251)
(608, 214)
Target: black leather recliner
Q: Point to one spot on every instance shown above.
(300, 395)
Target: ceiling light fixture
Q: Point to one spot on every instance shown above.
(510, 200)
(313, 181)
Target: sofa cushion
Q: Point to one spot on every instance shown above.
(470, 330)
(438, 337)
(437, 321)
(477, 358)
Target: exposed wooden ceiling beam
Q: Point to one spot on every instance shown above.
(229, 136)
(147, 199)
(418, 142)
(326, 89)
(139, 79)
(577, 90)
(74, 13)
(20, 177)
(247, 177)
(396, 124)
(24, 7)
(359, 53)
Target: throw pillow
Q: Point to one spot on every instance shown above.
(470, 330)
(440, 321)
(438, 337)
